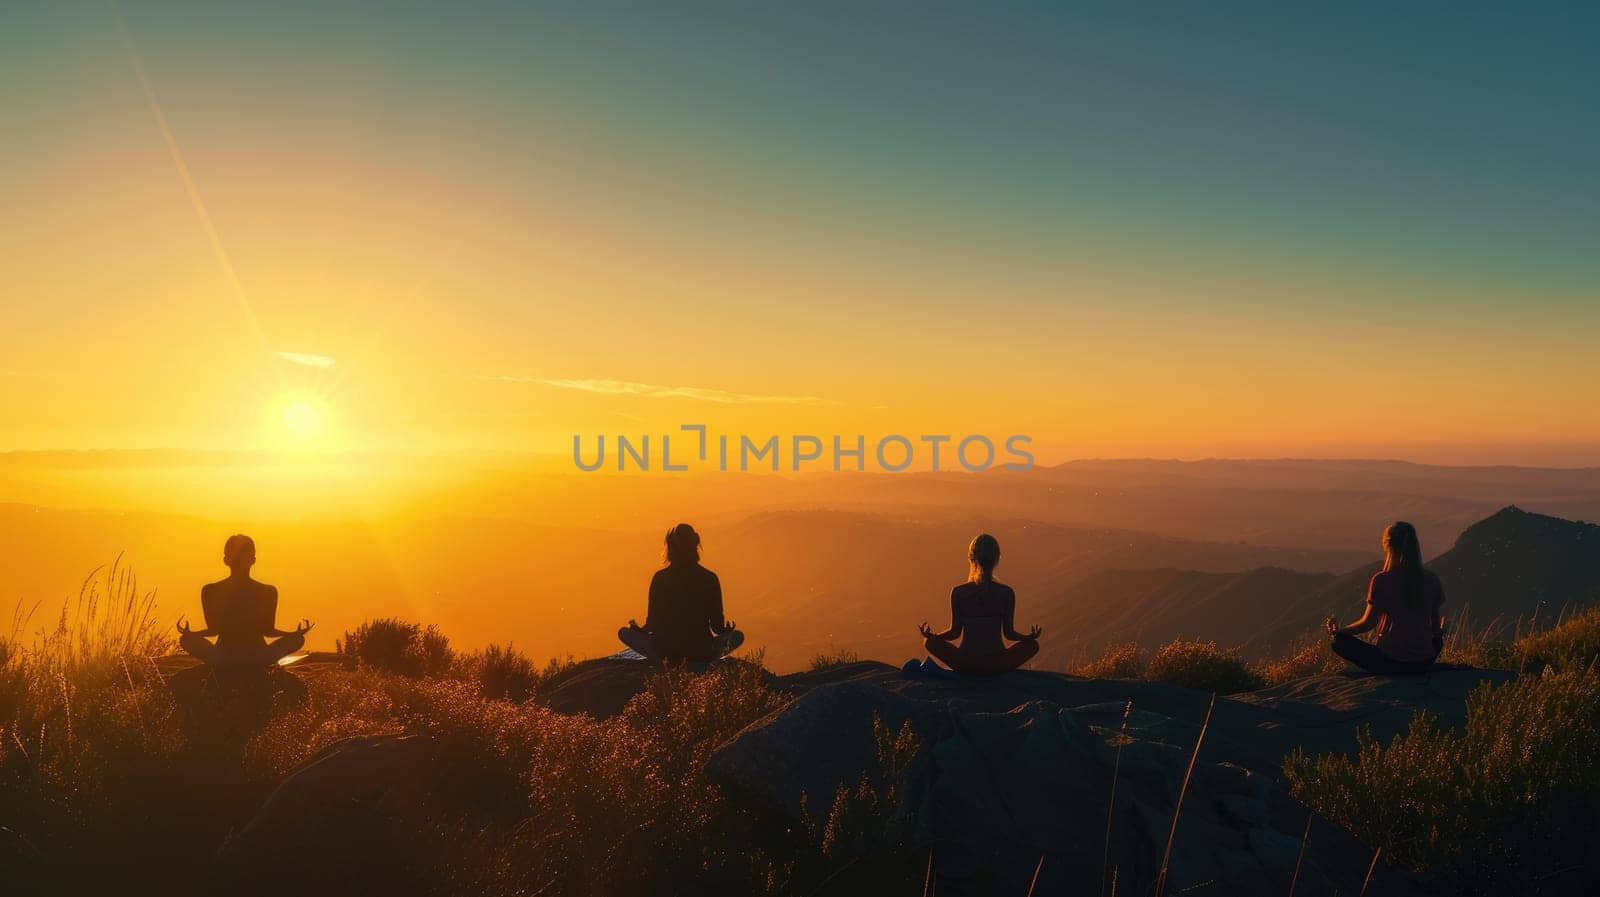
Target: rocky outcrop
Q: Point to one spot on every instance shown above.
(1019, 767)
(1011, 769)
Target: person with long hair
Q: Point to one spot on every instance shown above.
(1404, 603)
(241, 614)
(683, 620)
(983, 616)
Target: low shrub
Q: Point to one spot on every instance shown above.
(504, 673)
(1499, 807)
(1121, 661)
(1201, 665)
(396, 646)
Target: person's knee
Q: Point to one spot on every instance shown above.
(292, 642)
(934, 645)
(1027, 649)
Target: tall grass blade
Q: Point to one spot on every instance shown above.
(1295, 879)
(1036, 870)
(1368, 880)
(1166, 856)
(1111, 803)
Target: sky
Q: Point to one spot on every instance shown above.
(1185, 232)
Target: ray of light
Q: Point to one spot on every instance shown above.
(189, 186)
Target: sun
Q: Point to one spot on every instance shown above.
(303, 419)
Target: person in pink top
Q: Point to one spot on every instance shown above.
(1404, 603)
(983, 616)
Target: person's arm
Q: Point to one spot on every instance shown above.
(954, 632)
(272, 617)
(651, 603)
(205, 611)
(1369, 618)
(1438, 614)
(1011, 620)
(719, 623)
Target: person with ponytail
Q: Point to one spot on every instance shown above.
(241, 614)
(1404, 603)
(983, 617)
(683, 620)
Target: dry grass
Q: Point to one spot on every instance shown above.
(541, 800)
(88, 730)
(1309, 656)
(833, 657)
(1201, 665)
(1121, 661)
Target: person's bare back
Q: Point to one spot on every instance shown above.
(241, 613)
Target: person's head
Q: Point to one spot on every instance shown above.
(983, 555)
(1403, 552)
(682, 545)
(1400, 546)
(239, 552)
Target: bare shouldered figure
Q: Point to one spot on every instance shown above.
(983, 617)
(241, 614)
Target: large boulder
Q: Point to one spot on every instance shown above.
(997, 789)
(796, 759)
(334, 806)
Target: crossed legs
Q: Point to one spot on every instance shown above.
(963, 661)
(1367, 656)
(268, 654)
(640, 641)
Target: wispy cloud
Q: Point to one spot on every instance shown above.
(658, 391)
(307, 359)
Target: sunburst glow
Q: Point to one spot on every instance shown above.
(303, 419)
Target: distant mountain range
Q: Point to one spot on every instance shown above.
(1251, 553)
(1504, 572)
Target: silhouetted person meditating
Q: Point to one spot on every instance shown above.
(983, 617)
(683, 621)
(1403, 604)
(241, 614)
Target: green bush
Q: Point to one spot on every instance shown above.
(1202, 666)
(396, 646)
(1497, 807)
